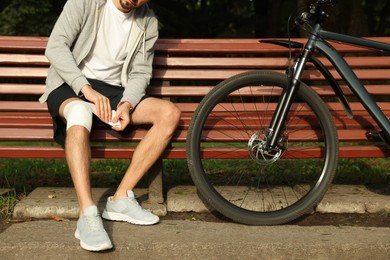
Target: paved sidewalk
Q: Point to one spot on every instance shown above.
(177, 239)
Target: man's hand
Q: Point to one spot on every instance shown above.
(122, 115)
(102, 103)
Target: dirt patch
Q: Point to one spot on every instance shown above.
(364, 220)
(317, 219)
(5, 223)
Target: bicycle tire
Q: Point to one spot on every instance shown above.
(257, 190)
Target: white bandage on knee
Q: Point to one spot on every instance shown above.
(79, 113)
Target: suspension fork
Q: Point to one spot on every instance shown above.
(286, 100)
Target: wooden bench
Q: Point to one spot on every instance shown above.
(185, 70)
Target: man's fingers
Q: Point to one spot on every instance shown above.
(123, 117)
(103, 109)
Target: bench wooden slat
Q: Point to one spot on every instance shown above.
(193, 74)
(173, 153)
(259, 62)
(10, 106)
(26, 89)
(42, 134)
(204, 62)
(182, 90)
(23, 72)
(239, 46)
(24, 59)
(23, 43)
(43, 120)
(360, 122)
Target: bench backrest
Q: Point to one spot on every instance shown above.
(184, 71)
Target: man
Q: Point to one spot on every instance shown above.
(101, 54)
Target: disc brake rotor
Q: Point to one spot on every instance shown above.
(258, 150)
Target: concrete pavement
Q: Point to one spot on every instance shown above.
(185, 239)
(178, 239)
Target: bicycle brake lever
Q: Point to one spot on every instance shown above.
(303, 18)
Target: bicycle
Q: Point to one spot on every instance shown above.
(264, 188)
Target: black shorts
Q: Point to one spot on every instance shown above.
(64, 92)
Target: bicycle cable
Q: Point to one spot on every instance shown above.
(290, 72)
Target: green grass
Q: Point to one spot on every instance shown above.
(24, 175)
(363, 171)
(7, 204)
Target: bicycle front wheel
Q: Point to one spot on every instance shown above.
(231, 171)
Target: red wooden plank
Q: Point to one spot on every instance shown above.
(22, 106)
(43, 120)
(23, 72)
(183, 90)
(29, 106)
(207, 62)
(259, 62)
(299, 153)
(239, 45)
(228, 134)
(196, 74)
(180, 153)
(220, 74)
(23, 59)
(22, 89)
(364, 152)
(359, 122)
(33, 43)
(25, 43)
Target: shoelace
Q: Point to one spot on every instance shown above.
(94, 223)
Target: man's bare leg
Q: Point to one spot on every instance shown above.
(78, 157)
(164, 117)
(89, 229)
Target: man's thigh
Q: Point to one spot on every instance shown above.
(150, 110)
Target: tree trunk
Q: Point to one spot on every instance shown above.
(348, 17)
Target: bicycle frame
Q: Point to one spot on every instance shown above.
(317, 41)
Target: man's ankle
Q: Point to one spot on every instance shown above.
(119, 195)
(84, 206)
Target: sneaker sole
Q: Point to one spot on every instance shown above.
(91, 248)
(121, 217)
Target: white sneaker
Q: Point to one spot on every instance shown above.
(128, 210)
(90, 231)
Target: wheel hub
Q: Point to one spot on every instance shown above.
(259, 152)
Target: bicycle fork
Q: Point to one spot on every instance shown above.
(275, 130)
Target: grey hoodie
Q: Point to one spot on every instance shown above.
(72, 39)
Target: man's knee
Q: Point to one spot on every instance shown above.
(171, 115)
(78, 113)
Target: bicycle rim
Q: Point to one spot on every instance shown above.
(232, 174)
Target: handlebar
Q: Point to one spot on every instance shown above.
(314, 10)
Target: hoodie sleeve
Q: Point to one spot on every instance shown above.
(141, 67)
(63, 36)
